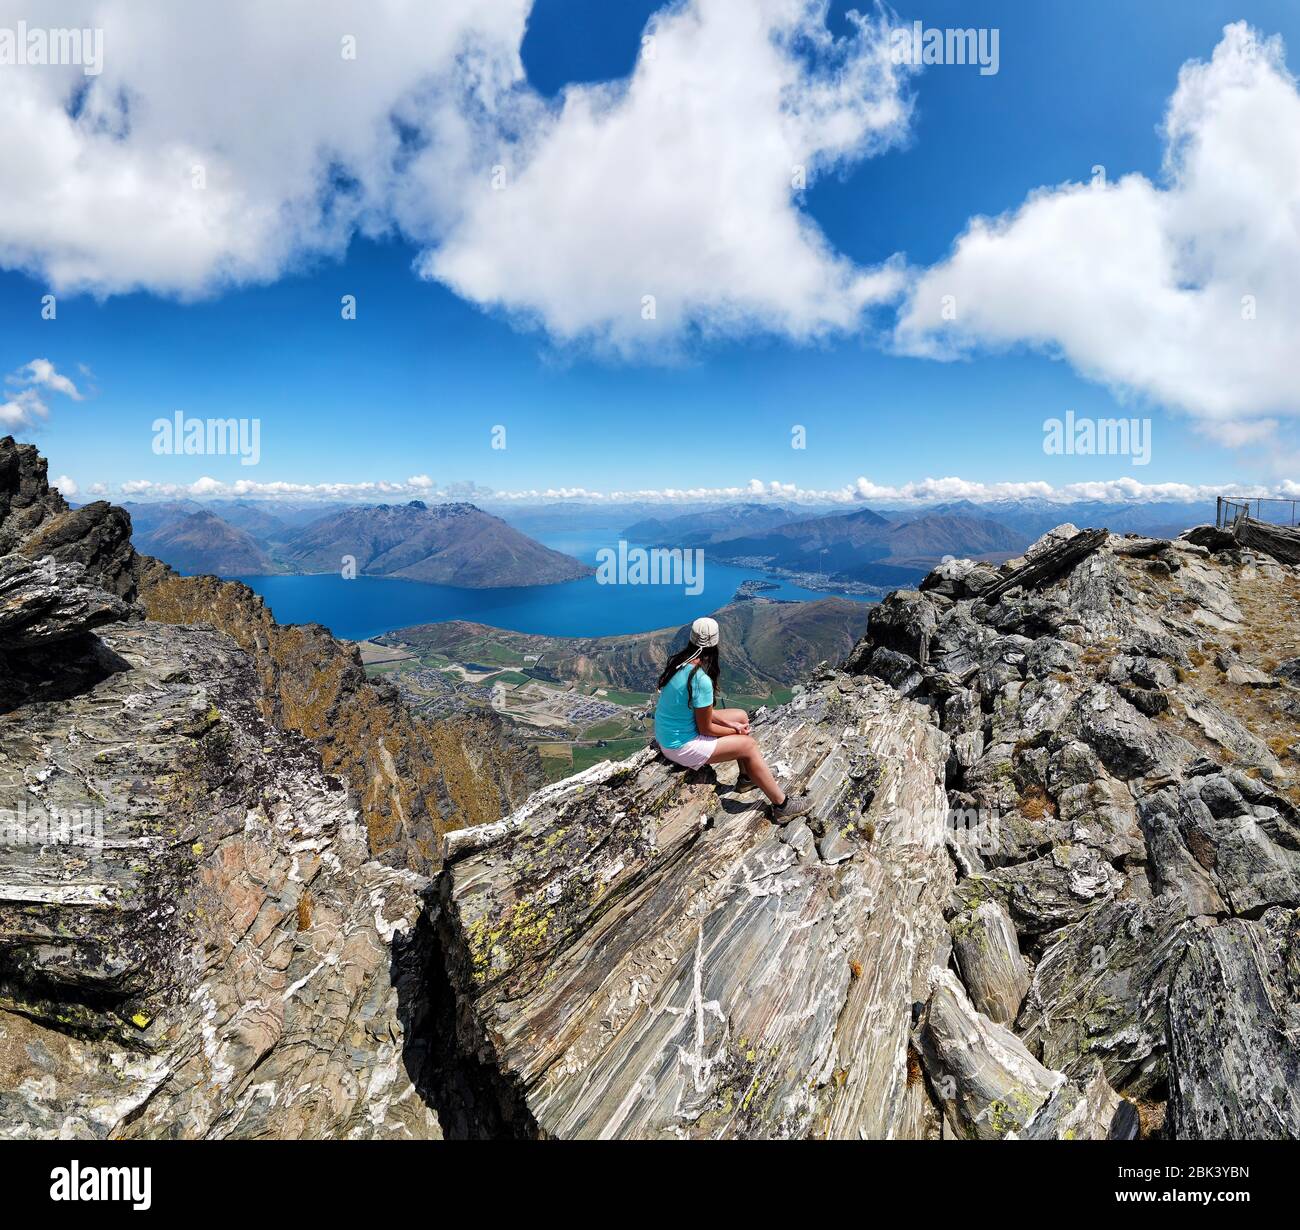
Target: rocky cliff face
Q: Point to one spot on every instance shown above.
(36, 523)
(1048, 888)
(196, 938)
(413, 779)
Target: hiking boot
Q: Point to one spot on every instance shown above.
(794, 805)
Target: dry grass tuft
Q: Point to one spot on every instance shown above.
(1035, 805)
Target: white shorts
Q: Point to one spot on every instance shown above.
(692, 755)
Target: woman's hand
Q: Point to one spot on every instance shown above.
(707, 722)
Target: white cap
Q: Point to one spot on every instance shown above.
(704, 632)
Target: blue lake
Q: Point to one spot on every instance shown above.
(367, 606)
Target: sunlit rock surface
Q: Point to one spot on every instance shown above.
(1055, 841)
(643, 953)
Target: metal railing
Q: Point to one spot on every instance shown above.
(1273, 509)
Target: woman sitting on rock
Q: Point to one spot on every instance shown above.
(690, 732)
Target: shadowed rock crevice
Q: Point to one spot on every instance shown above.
(469, 1096)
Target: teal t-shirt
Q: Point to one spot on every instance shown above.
(674, 720)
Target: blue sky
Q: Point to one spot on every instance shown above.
(416, 383)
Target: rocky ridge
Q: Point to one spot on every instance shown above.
(196, 936)
(1048, 887)
(414, 779)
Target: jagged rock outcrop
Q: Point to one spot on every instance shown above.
(414, 779)
(1280, 542)
(42, 602)
(192, 939)
(988, 1083)
(195, 940)
(643, 954)
(1234, 1031)
(638, 952)
(992, 1088)
(1124, 740)
(987, 952)
(36, 522)
(1048, 888)
(1100, 992)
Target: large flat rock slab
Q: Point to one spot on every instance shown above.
(642, 953)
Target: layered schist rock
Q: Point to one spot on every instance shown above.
(640, 952)
(1123, 721)
(1051, 867)
(194, 939)
(1234, 1031)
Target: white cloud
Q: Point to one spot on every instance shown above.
(22, 409)
(296, 144)
(676, 183)
(1240, 433)
(65, 485)
(25, 405)
(42, 372)
(1140, 285)
(862, 491)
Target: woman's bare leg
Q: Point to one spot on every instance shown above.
(733, 715)
(742, 748)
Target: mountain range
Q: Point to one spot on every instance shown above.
(858, 546)
(201, 542)
(715, 525)
(448, 544)
(1033, 517)
(443, 544)
(463, 545)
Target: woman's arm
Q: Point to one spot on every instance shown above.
(707, 724)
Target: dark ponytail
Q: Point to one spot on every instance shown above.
(709, 664)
